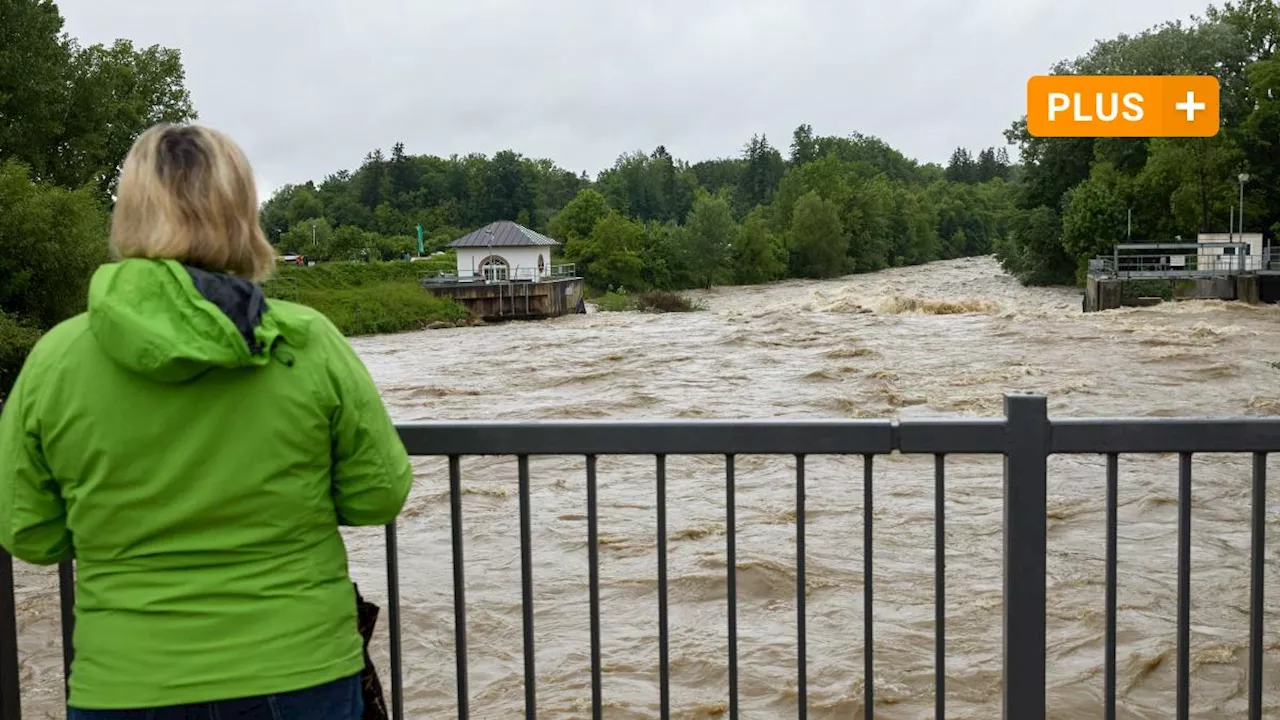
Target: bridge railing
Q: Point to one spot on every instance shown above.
(1025, 437)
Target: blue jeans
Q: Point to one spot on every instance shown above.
(338, 700)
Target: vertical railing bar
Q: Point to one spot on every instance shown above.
(1113, 508)
(459, 585)
(940, 587)
(731, 560)
(526, 590)
(67, 607)
(664, 658)
(1184, 585)
(393, 622)
(802, 648)
(593, 559)
(1026, 459)
(1257, 549)
(10, 694)
(868, 636)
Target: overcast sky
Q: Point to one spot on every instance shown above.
(309, 86)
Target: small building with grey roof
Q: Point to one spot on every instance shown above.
(504, 251)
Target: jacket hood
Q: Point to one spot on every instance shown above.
(172, 323)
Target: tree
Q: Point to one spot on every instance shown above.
(116, 92)
(758, 256)
(711, 230)
(763, 171)
(962, 168)
(609, 258)
(51, 240)
(34, 61)
(1093, 221)
(817, 242)
(576, 221)
(803, 147)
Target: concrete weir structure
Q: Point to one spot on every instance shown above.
(504, 273)
(1205, 270)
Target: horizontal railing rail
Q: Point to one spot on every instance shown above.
(1026, 437)
(1177, 265)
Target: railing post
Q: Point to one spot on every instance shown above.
(1025, 548)
(10, 697)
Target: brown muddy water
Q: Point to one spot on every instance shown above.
(945, 339)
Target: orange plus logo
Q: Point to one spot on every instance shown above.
(1122, 106)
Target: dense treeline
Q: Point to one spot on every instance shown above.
(831, 206)
(68, 115)
(1074, 195)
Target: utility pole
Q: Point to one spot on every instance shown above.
(1129, 228)
(1244, 178)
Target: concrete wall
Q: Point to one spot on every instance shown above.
(1222, 288)
(1249, 289)
(1102, 294)
(521, 261)
(515, 300)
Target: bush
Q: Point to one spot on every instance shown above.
(657, 301)
(614, 301)
(16, 340)
(665, 302)
(51, 241)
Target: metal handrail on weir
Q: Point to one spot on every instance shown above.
(1176, 265)
(1026, 436)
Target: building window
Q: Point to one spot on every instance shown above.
(542, 265)
(495, 269)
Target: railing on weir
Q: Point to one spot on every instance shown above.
(519, 274)
(1026, 436)
(1175, 266)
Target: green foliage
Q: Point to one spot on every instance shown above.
(711, 230)
(16, 340)
(366, 298)
(659, 301)
(614, 301)
(663, 301)
(51, 240)
(817, 241)
(71, 112)
(610, 256)
(758, 255)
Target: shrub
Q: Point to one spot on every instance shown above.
(614, 301)
(16, 340)
(665, 302)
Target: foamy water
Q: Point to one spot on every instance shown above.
(940, 340)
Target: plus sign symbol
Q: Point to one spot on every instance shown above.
(1190, 106)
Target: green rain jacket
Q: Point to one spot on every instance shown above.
(195, 449)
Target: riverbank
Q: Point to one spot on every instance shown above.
(368, 298)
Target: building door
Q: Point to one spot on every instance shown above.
(495, 269)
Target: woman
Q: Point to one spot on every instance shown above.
(195, 448)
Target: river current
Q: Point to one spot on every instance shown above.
(946, 339)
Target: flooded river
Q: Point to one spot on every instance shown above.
(945, 339)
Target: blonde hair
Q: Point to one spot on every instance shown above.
(186, 193)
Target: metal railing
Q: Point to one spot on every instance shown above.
(519, 274)
(1025, 437)
(1193, 265)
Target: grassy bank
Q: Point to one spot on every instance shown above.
(368, 298)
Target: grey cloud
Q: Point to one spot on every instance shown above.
(309, 87)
